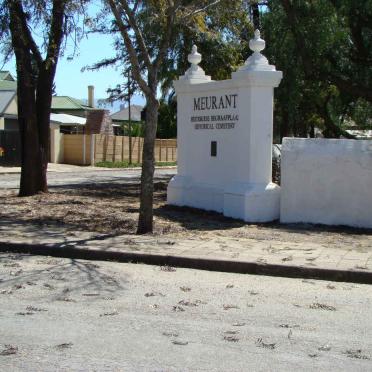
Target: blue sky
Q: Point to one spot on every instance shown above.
(72, 82)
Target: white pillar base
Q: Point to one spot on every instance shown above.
(248, 202)
(183, 192)
(252, 202)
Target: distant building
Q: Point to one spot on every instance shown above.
(9, 138)
(123, 115)
(7, 82)
(8, 110)
(8, 102)
(68, 124)
(68, 116)
(99, 122)
(71, 106)
(121, 118)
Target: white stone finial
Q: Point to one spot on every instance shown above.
(195, 74)
(194, 57)
(257, 61)
(257, 44)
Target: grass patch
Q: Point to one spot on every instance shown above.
(125, 164)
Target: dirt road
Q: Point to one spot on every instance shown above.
(60, 314)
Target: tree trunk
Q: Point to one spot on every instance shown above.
(256, 16)
(34, 121)
(284, 125)
(34, 91)
(33, 174)
(312, 131)
(34, 131)
(43, 108)
(32, 180)
(145, 221)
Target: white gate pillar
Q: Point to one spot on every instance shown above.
(259, 199)
(225, 133)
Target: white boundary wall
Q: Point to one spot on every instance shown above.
(326, 181)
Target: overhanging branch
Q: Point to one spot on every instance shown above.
(28, 41)
(136, 70)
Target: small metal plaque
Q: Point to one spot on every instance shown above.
(214, 148)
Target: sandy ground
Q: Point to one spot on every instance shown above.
(74, 315)
(113, 209)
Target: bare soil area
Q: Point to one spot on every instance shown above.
(113, 209)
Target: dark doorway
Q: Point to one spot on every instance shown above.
(10, 152)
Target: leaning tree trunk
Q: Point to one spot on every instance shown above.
(33, 177)
(34, 90)
(34, 121)
(33, 173)
(34, 144)
(43, 108)
(145, 221)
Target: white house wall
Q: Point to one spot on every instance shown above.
(12, 108)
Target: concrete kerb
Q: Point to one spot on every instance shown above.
(229, 266)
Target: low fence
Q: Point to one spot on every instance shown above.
(76, 149)
(116, 148)
(166, 150)
(82, 149)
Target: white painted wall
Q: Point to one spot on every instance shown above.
(326, 181)
(56, 144)
(12, 108)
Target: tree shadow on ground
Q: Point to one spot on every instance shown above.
(52, 277)
(112, 189)
(105, 208)
(112, 208)
(197, 219)
(107, 190)
(57, 228)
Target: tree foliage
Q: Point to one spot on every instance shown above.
(219, 28)
(323, 48)
(167, 120)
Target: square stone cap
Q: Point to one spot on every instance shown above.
(259, 78)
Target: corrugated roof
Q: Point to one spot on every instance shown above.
(8, 85)
(123, 115)
(6, 75)
(68, 103)
(5, 99)
(66, 119)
